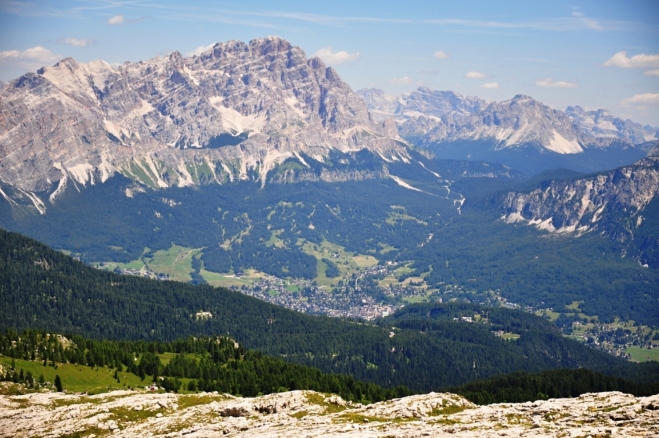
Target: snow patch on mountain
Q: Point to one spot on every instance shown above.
(402, 183)
(561, 145)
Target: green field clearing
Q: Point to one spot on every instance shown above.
(365, 261)
(388, 280)
(79, 378)
(399, 214)
(385, 248)
(228, 280)
(175, 262)
(165, 358)
(639, 354)
(416, 299)
(347, 262)
(575, 305)
(553, 316)
(409, 280)
(274, 239)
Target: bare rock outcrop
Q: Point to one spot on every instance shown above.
(311, 414)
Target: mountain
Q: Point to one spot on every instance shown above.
(602, 124)
(621, 204)
(422, 102)
(520, 132)
(234, 112)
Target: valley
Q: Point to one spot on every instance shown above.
(420, 221)
(319, 248)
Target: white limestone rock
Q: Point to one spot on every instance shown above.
(310, 414)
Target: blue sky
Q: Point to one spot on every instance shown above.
(597, 54)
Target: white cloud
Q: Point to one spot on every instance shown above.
(116, 20)
(403, 80)
(199, 50)
(490, 85)
(652, 73)
(642, 99)
(335, 58)
(475, 75)
(550, 83)
(30, 59)
(76, 42)
(641, 60)
(440, 54)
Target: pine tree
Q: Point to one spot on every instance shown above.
(58, 383)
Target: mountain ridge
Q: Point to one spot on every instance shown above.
(233, 112)
(520, 132)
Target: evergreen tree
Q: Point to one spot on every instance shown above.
(58, 384)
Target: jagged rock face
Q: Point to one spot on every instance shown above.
(427, 117)
(422, 102)
(602, 124)
(234, 112)
(510, 123)
(310, 414)
(611, 202)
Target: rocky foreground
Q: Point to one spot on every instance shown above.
(311, 414)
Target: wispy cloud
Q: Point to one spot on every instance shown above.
(641, 60)
(575, 22)
(652, 73)
(76, 42)
(642, 99)
(116, 20)
(403, 80)
(440, 54)
(564, 24)
(335, 58)
(30, 59)
(552, 24)
(550, 83)
(199, 50)
(587, 22)
(490, 85)
(475, 75)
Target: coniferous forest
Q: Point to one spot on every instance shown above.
(422, 347)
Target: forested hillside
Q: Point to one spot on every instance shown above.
(520, 387)
(44, 289)
(447, 230)
(194, 364)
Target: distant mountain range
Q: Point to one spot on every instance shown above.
(240, 111)
(520, 132)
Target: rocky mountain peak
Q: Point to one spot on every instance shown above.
(234, 112)
(457, 126)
